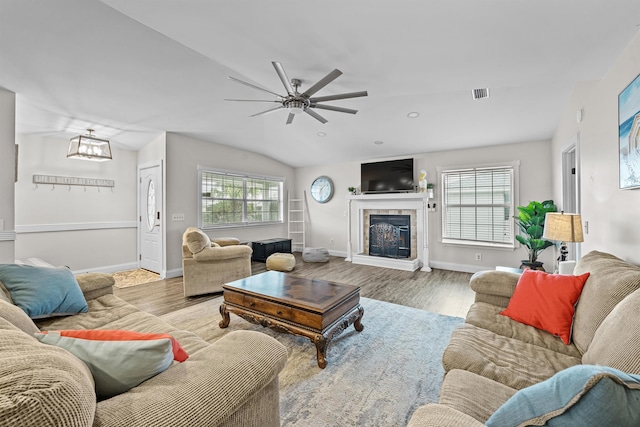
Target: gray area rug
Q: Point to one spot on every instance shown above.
(377, 377)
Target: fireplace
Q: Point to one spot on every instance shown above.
(390, 236)
(363, 207)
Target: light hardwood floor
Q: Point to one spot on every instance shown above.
(440, 291)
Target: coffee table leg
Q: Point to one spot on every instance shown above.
(225, 316)
(358, 323)
(321, 350)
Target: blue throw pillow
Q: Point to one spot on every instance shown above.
(583, 395)
(43, 291)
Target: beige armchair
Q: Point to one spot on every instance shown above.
(206, 265)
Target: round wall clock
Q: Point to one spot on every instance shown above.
(322, 189)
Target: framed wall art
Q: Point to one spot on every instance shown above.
(629, 135)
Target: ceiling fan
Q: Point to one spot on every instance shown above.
(296, 102)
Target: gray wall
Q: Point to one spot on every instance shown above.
(85, 228)
(612, 213)
(7, 174)
(184, 155)
(328, 222)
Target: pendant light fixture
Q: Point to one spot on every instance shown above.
(88, 147)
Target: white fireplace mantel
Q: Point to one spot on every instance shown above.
(415, 201)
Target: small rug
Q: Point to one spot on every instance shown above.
(377, 377)
(139, 276)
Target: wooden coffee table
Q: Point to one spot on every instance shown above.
(312, 308)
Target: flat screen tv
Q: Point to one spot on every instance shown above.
(392, 176)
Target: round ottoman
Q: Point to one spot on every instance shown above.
(281, 262)
(315, 255)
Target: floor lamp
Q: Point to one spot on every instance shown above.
(563, 227)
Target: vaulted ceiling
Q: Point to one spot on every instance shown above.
(131, 69)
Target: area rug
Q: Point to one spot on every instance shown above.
(138, 276)
(377, 377)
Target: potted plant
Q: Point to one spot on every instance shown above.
(352, 190)
(530, 220)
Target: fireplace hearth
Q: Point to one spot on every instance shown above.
(390, 236)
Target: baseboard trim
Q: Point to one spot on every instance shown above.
(176, 272)
(7, 236)
(464, 268)
(50, 228)
(108, 268)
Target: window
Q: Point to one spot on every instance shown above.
(478, 206)
(229, 199)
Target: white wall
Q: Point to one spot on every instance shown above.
(327, 222)
(183, 155)
(7, 174)
(85, 228)
(612, 213)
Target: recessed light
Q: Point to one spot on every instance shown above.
(322, 134)
(413, 114)
(378, 142)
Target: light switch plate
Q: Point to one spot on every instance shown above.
(177, 217)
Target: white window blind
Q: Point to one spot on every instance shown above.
(478, 205)
(230, 199)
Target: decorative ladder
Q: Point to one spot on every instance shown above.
(296, 222)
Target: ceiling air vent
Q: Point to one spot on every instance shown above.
(480, 93)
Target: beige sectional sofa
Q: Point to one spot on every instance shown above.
(232, 382)
(490, 357)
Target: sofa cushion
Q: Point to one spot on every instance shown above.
(578, 396)
(42, 385)
(43, 291)
(118, 360)
(17, 317)
(195, 239)
(460, 391)
(487, 316)
(546, 301)
(506, 360)
(617, 341)
(610, 281)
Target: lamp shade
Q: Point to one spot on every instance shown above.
(88, 147)
(563, 227)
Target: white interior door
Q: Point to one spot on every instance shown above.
(150, 218)
(571, 191)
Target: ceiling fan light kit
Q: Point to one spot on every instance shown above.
(296, 102)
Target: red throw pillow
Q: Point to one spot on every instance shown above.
(179, 354)
(546, 301)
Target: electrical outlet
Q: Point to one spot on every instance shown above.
(331, 241)
(177, 217)
(478, 257)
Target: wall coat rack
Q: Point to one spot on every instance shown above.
(69, 180)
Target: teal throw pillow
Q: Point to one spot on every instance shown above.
(116, 363)
(583, 395)
(43, 291)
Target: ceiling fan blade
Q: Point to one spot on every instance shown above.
(251, 100)
(332, 108)
(338, 96)
(315, 115)
(283, 77)
(254, 86)
(322, 83)
(267, 111)
(290, 118)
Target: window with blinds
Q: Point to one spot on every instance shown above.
(478, 206)
(230, 199)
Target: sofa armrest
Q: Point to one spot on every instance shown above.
(94, 285)
(224, 252)
(206, 389)
(436, 415)
(494, 287)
